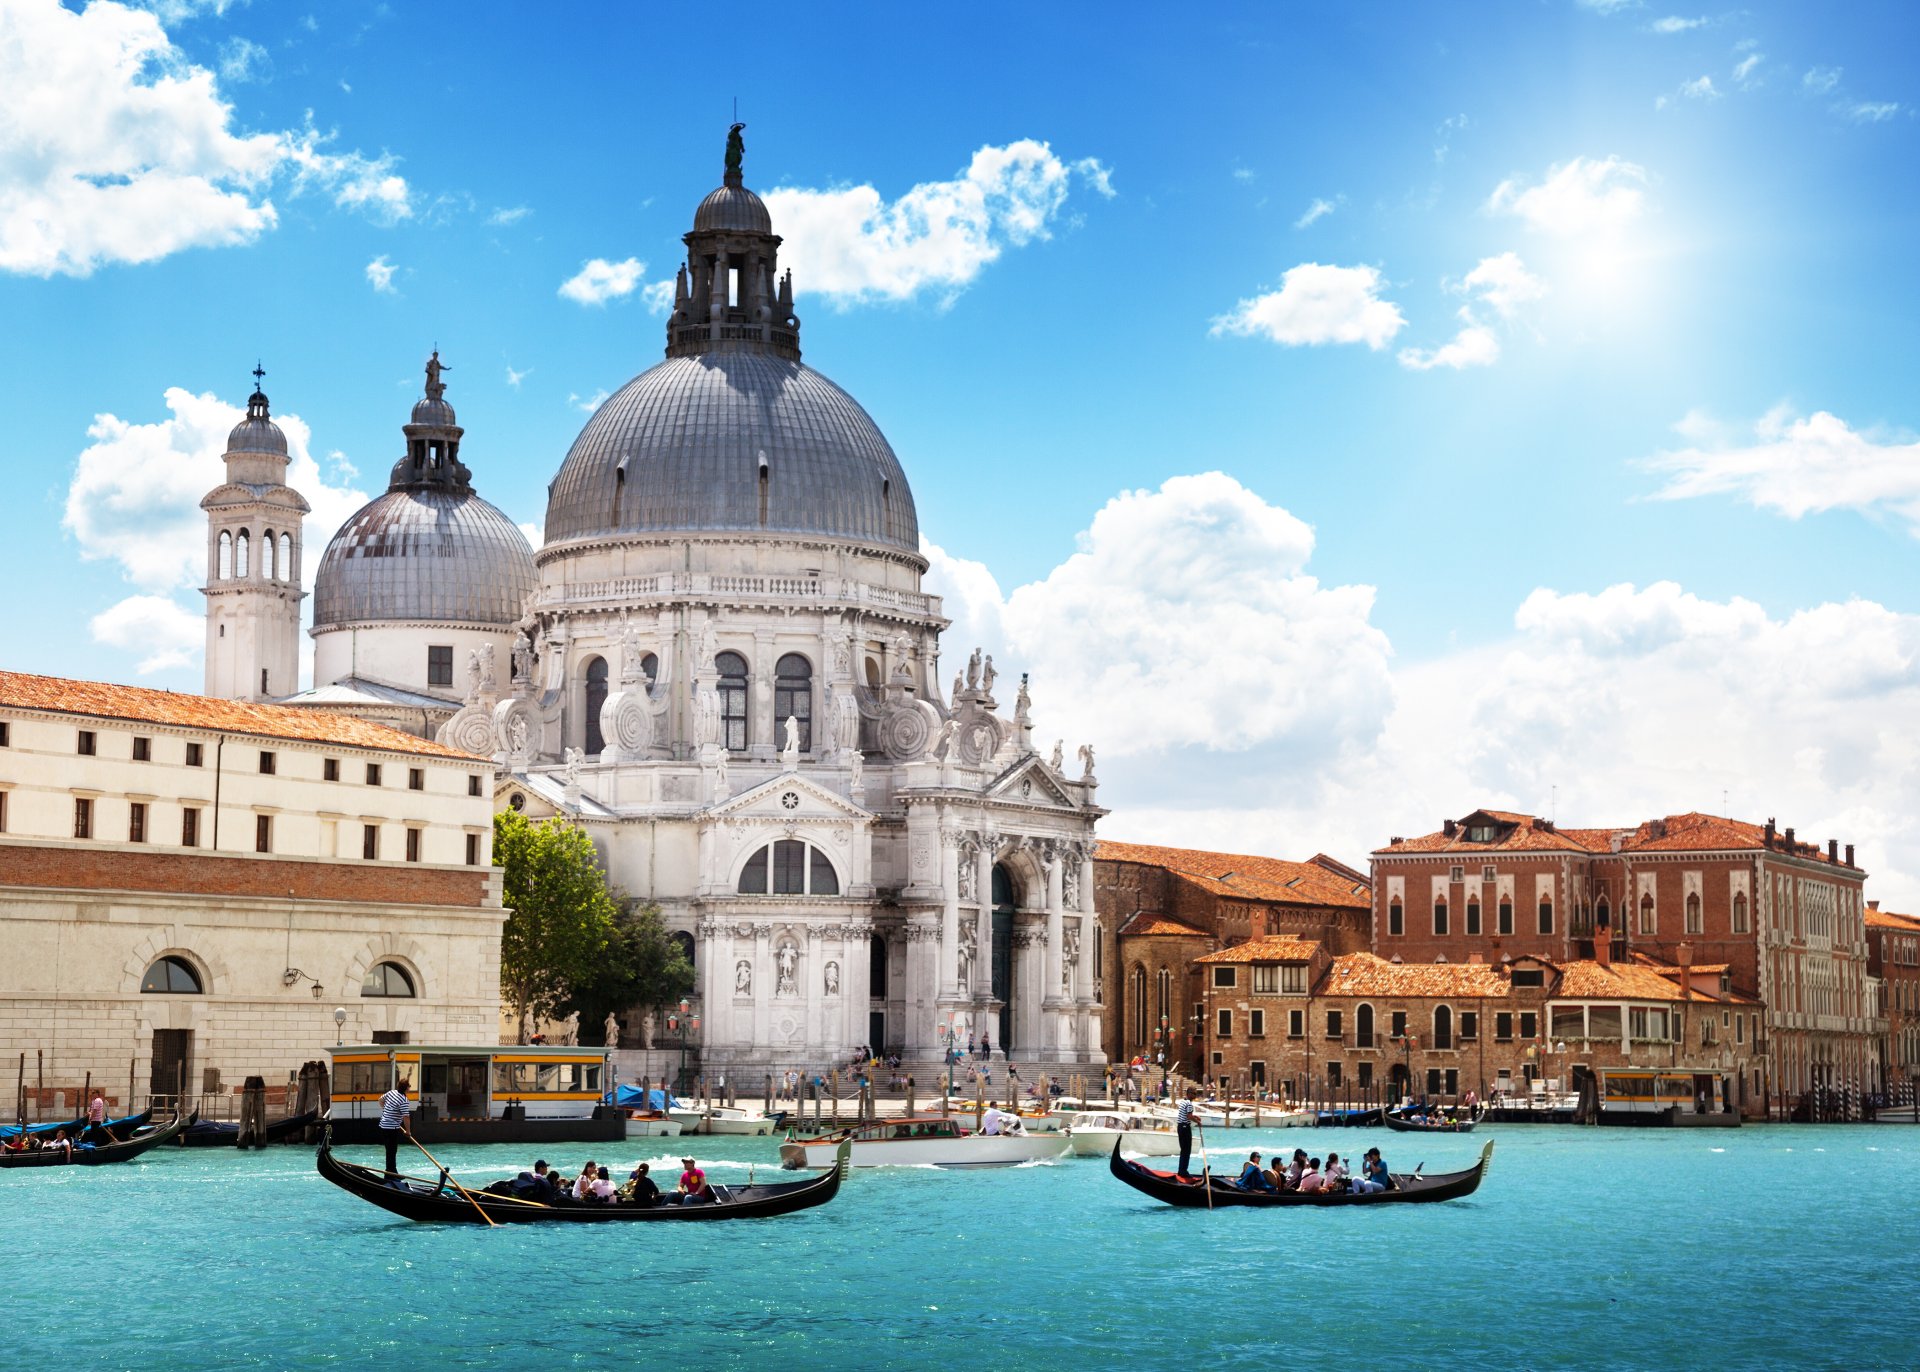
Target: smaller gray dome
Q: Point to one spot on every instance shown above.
(734, 209)
(433, 410)
(425, 554)
(257, 433)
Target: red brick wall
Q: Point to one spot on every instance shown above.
(208, 874)
(1420, 944)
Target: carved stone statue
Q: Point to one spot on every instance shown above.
(856, 768)
(1070, 883)
(790, 748)
(828, 725)
(632, 655)
(612, 1028)
(736, 153)
(1059, 758)
(973, 670)
(968, 951)
(1023, 705)
(968, 868)
(570, 1029)
(709, 727)
(435, 386)
(942, 744)
(1086, 762)
(787, 962)
(473, 672)
(722, 787)
(709, 646)
(987, 675)
(522, 658)
(833, 978)
(574, 758)
(517, 738)
(842, 658)
(959, 685)
(743, 978)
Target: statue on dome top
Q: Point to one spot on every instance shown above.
(435, 386)
(736, 152)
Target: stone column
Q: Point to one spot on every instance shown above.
(856, 980)
(952, 853)
(764, 976)
(1053, 1001)
(1029, 939)
(812, 993)
(983, 893)
(921, 998)
(714, 987)
(765, 732)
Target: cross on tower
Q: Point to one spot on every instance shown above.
(258, 373)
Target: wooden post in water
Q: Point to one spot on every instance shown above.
(833, 1090)
(20, 1092)
(768, 1109)
(128, 1108)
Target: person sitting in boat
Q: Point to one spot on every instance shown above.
(1335, 1172)
(1310, 1178)
(1277, 1175)
(583, 1184)
(1296, 1169)
(600, 1191)
(693, 1188)
(1253, 1177)
(1373, 1174)
(536, 1185)
(641, 1189)
(59, 1143)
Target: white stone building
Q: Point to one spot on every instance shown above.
(189, 887)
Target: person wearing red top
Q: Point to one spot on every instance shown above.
(693, 1185)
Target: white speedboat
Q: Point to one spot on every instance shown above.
(936, 1141)
(651, 1124)
(1093, 1135)
(691, 1118)
(729, 1119)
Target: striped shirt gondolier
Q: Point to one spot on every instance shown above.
(1184, 1115)
(394, 1107)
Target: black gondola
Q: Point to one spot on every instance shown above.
(1193, 1192)
(150, 1136)
(222, 1134)
(1434, 1124)
(415, 1199)
(120, 1127)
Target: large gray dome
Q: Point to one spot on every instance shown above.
(425, 554)
(682, 448)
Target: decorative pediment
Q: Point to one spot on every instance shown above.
(789, 797)
(1031, 782)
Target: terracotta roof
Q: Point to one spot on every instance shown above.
(1688, 832)
(1146, 924)
(1522, 834)
(1247, 877)
(1639, 979)
(1365, 974)
(141, 704)
(1278, 948)
(1887, 919)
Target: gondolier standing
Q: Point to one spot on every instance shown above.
(1183, 1127)
(394, 1109)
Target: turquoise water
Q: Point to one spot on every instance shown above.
(1775, 1246)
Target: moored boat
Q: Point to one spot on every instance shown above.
(933, 1141)
(146, 1137)
(1219, 1193)
(739, 1119)
(226, 1134)
(1094, 1133)
(1434, 1121)
(415, 1198)
(652, 1124)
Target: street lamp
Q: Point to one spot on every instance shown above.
(339, 1025)
(1161, 1041)
(683, 1021)
(1408, 1042)
(951, 1034)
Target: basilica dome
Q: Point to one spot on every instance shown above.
(732, 433)
(430, 550)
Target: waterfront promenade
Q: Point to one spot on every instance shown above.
(1764, 1246)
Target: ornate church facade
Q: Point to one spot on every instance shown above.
(722, 665)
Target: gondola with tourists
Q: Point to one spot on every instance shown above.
(1434, 1120)
(1215, 1192)
(94, 1155)
(226, 1134)
(115, 1130)
(446, 1200)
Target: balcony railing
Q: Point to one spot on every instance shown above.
(759, 589)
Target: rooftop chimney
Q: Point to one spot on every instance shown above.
(1849, 855)
(1603, 948)
(1769, 839)
(1873, 905)
(1789, 838)
(1833, 850)
(1449, 827)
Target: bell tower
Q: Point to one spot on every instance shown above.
(253, 564)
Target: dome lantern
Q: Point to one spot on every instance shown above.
(725, 296)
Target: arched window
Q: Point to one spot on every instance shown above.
(1505, 925)
(684, 942)
(171, 976)
(1396, 918)
(789, 868)
(1646, 913)
(1473, 914)
(269, 551)
(1695, 924)
(225, 565)
(388, 979)
(288, 572)
(1442, 1027)
(733, 701)
(1601, 915)
(873, 673)
(240, 554)
(596, 697)
(1363, 1027)
(650, 668)
(1164, 986)
(793, 697)
(877, 967)
(1440, 915)
(1740, 913)
(1546, 915)
(1137, 996)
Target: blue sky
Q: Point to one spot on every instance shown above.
(1642, 230)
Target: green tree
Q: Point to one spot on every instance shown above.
(561, 917)
(642, 966)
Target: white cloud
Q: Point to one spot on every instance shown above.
(658, 296)
(1473, 346)
(1319, 304)
(1871, 111)
(1584, 196)
(1443, 136)
(134, 499)
(156, 628)
(1796, 466)
(1675, 23)
(515, 378)
(1700, 88)
(851, 245)
(242, 59)
(535, 534)
(506, 217)
(1820, 80)
(599, 281)
(1608, 6)
(1243, 174)
(1196, 592)
(380, 275)
(116, 148)
(1318, 210)
(587, 404)
(1744, 69)
(1504, 283)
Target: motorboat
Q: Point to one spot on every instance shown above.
(730, 1119)
(930, 1141)
(1094, 1134)
(652, 1124)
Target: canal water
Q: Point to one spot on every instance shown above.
(1758, 1247)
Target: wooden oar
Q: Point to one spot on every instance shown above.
(450, 1177)
(1206, 1172)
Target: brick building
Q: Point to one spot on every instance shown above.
(1161, 908)
(1893, 956)
(194, 885)
(1783, 920)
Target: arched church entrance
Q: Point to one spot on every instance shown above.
(1005, 901)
